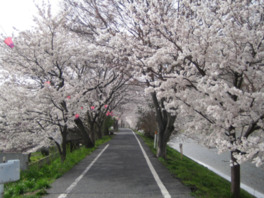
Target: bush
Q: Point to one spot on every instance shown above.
(147, 122)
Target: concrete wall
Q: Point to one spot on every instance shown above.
(12, 156)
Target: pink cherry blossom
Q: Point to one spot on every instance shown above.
(77, 116)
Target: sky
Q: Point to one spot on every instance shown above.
(19, 14)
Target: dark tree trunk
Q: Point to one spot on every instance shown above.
(164, 134)
(116, 125)
(58, 147)
(99, 134)
(87, 141)
(161, 149)
(235, 178)
(105, 128)
(92, 122)
(165, 125)
(64, 146)
(99, 130)
(92, 128)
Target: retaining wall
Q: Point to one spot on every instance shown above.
(12, 156)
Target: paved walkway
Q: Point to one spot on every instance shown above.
(252, 178)
(122, 168)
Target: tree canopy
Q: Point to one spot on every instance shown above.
(202, 60)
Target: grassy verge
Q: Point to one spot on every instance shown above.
(35, 181)
(202, 181)
(36, 156)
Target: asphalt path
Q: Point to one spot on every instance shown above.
(122, 168)
(252, 178)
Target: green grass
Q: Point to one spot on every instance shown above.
(35, 181)
(36, 156)
(203, 182)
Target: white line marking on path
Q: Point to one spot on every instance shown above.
(163, 189)
(69, 189)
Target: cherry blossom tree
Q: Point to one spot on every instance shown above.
(202, 59)
(43, 58)
(110, 92)
(51, 61)
(220, 55)
(18, 133)
(147, 118)
(122, 30)
(69, 83)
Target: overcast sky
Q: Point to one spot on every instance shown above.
(19, 14)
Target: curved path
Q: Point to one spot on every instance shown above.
(122, 168)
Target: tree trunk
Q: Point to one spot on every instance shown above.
(92, 128)
(116, 125)
(99, 134)
(105, 128)
(58, 147)
(63, 144)
(99, 130)
(165, 125)
(235, 178)
(161, 149)
(87, 141)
